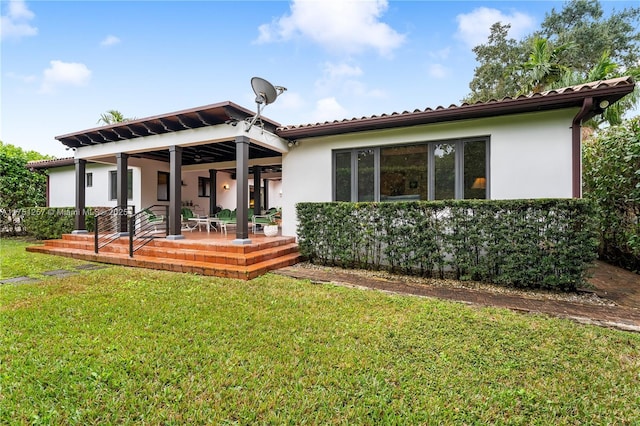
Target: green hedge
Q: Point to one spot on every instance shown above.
(51, 222)
(612, 182)
(522, 243)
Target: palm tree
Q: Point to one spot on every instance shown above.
(544, 66)
(604, 69)
(113, 116)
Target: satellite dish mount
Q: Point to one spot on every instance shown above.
(266, 93)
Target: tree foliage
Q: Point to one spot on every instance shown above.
(113, 116)
(499, 56)
(20, 188)
(574, 45)
(612, 181)
(582, 22)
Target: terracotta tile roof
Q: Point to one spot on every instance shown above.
(46, 164)
(611, 90)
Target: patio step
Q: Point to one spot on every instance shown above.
(217, 258)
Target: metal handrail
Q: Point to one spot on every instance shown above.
(143, 228)
(106, 227)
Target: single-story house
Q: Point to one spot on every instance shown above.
(523, 147)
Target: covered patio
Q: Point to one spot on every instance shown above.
(215, 138)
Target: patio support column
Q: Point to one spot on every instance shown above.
(242, 194)
(213, 191)
(80, 223)
(122, 184)
(266, 194)
(175, 193)
(257, 191)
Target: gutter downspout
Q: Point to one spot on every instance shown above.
(576, 148)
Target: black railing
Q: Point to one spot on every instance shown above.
(108, 225)
(147, 224)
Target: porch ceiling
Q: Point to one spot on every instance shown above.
(218, 152)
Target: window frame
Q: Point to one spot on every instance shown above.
(459, 146)
(113, 185)
(89, 179)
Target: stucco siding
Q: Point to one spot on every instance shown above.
(530, 157)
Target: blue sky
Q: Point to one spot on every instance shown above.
(64, 63)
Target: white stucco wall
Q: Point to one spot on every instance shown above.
(530, 157)
(62, 186)
(145, 184)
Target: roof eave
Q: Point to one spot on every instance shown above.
(162, 124)
(519, 105)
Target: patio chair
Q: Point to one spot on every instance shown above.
(188, 225)
(153, 220)
(226, 217)
(258, 221)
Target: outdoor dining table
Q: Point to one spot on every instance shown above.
(208, 221)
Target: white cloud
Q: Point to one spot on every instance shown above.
(341, 70)
(336, 25)
(64, 74)
(290, 101)
(343, 79)
(328, 109)
(474, 27)
(15, 24)
(20, 77)
(437, 71)
(110, 40)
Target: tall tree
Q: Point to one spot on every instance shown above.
(502, 70)
(582, 22)
(500, 56)
(544, 66)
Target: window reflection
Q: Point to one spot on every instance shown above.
(403, 173)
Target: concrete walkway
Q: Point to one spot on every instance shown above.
(612, 284)
(54, 273)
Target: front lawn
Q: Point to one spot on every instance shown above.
(133, 346)
(15, 261)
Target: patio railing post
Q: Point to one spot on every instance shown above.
(96, 227)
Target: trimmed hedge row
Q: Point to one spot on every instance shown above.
(523, 243)
(51, 222)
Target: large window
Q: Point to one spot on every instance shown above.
(113, 185)
(425, 171)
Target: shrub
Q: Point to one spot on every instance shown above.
(612, 181)
(522, 243)
(51, 222)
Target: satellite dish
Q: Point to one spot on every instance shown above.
(266, 93)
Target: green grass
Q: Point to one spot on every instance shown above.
(15, 261)
(133, 346)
